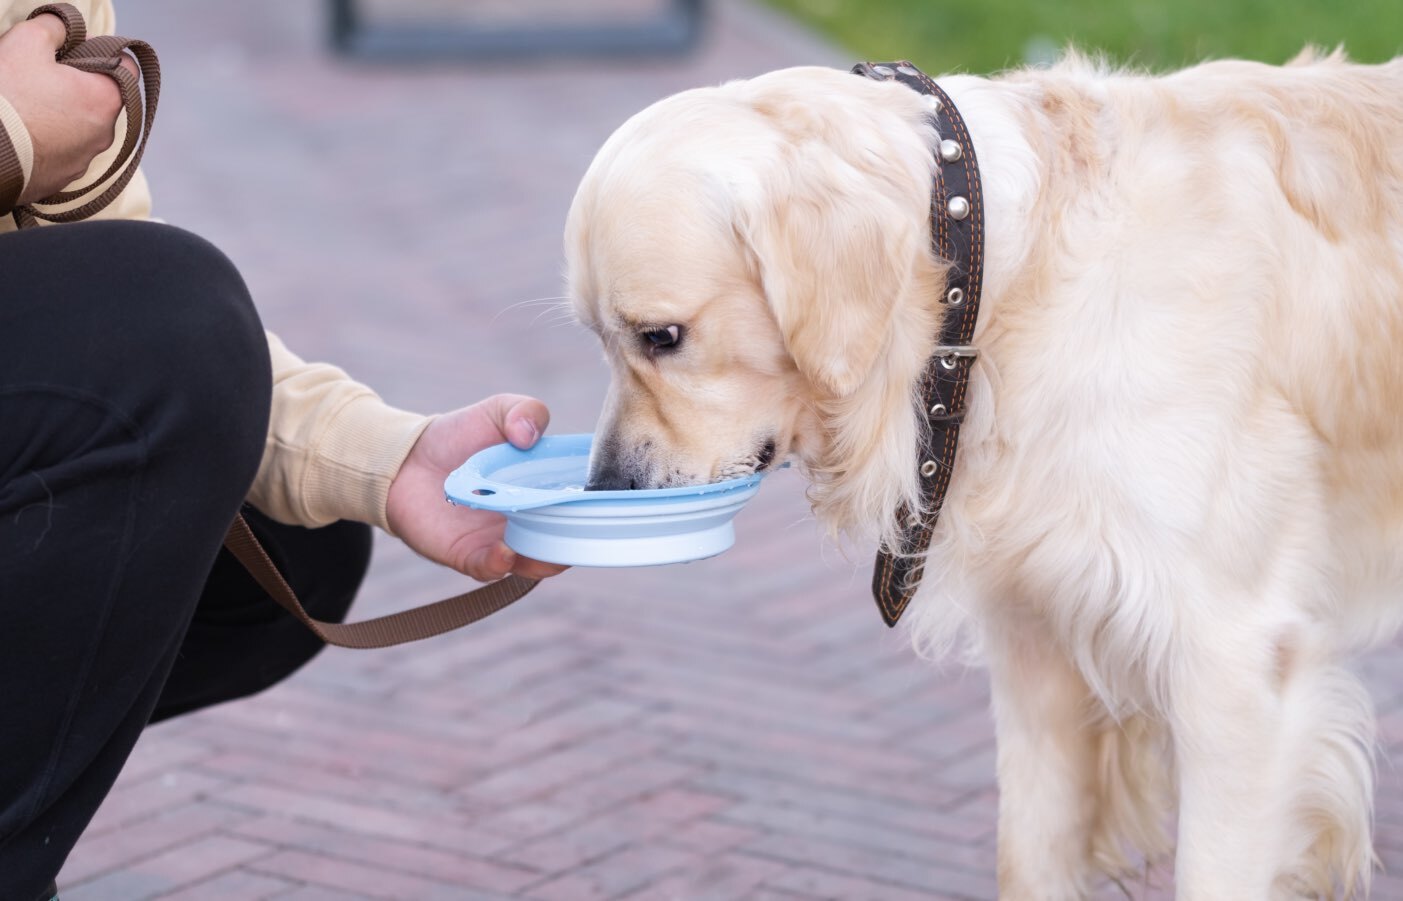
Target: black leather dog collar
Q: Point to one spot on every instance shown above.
(957, 234)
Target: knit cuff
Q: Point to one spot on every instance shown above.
(16, 157)
(357, 455)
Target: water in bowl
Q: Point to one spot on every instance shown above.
(547, 473)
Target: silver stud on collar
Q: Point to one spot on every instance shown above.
(934, 103)
(957, 207)
(883, 71)
(950, 150)
(928, 468)
(938, 410)
(955, 296)
(950, 361)
(907, 70)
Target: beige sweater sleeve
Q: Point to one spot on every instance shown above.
(17, 135)
(333, 445)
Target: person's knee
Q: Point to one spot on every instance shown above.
(190, 305)
(188, 319)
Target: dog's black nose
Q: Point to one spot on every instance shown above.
(766, 456)
(609, 470)
(610, 481)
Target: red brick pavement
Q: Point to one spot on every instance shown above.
(742, 727)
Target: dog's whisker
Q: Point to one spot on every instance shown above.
(552, 299)
(558, 316)
(556, 302)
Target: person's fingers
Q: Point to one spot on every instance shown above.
(51, 26)
(496, 561)
(105, 98)
(130, 65)
(521, 419)
(491, 562)
(535, 569)
(110, 92)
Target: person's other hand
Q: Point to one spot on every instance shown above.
(467, 540)
(71, 115)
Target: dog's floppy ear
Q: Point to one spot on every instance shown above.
(834, 245)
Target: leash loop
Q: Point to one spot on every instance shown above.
(103, 55)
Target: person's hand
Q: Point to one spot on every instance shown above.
(71, 115)
(469, 541)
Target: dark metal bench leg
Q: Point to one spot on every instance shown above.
(674, 31)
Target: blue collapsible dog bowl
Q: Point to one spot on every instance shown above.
(551, 517)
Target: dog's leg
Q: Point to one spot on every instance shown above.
(1274, 766)
(1046, 767)
(1228, 729)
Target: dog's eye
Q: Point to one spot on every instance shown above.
(663, 338)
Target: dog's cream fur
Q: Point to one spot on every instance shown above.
(1178, 500)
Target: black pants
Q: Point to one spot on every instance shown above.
(134, 395)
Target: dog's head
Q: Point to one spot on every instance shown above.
(748, 255)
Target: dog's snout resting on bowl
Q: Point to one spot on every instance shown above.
(1177, 504)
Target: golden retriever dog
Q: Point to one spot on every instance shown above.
(1177, 504)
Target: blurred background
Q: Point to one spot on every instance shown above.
(990, 35)
(392, 178)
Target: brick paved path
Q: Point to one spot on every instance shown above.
(742, 727)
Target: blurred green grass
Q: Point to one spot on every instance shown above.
(988, 35)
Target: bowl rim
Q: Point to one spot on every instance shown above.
(473, 484)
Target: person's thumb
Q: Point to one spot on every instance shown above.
(521, 419)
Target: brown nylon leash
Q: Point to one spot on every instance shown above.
(396, 628)
(104, 55)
